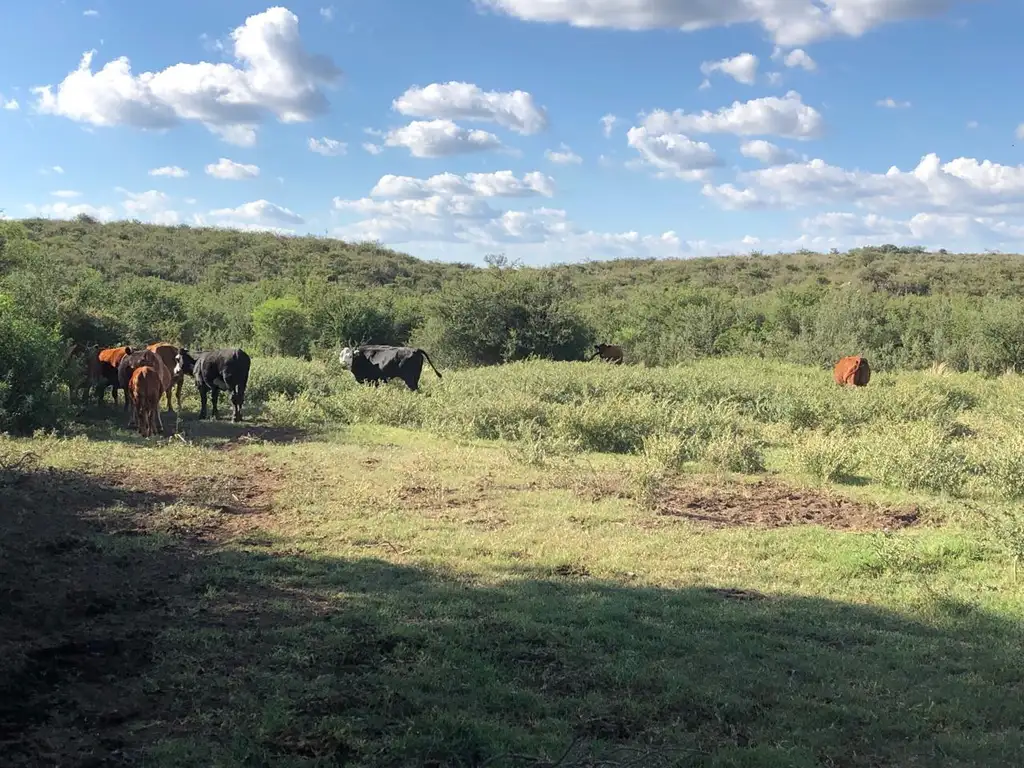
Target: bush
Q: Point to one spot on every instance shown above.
(280, 327)
(826, 458)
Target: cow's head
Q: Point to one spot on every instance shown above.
(345, 358)
(184, 363)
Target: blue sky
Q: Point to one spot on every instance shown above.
(455, 128)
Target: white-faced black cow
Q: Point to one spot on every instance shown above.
(374, 363)
(214, 371)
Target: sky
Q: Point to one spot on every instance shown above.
(551, 131)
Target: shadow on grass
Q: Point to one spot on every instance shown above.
(120, 646)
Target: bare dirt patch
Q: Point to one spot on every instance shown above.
(766, 504)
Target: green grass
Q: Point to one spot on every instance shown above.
(365, 577)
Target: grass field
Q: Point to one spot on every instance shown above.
(722, 564)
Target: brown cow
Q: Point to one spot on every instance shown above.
(608, 352)
(103, 371)
(145, 388)
(144, 357)
(168, 353)
(853, 370)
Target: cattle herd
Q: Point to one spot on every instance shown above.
(147, 375)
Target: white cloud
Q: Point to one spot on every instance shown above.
(929, 229)
(704, 85)
(963, 185)
(607, 123)
(741, 68)
(798, 57)
(152, 206)
(277, 76)
(11, 105)
(90, 13)
(789, 22)
(974, 124)
(230, 170)
(494, 184)
(774, 78)
(327, 147)
(62, 210)
(672, 153)
(66, 193)
(515, 110)
(327, 13)
(1020, 131)
(767, 153)
(440, 138)
(52, 169)
(891, 103)
(371, 148)
(564, 156)
(171, 171)
(259, 215)
(770, 116)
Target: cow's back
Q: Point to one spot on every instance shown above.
(851, 370)
(146, 385)
(167, 354)
(230, 366)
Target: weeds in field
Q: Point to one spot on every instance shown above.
(827, 458)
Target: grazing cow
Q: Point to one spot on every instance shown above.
(608, 352)
(853, 370)
(145, 387)
(168, 353)
(103, 371)
(130, 362)
(216, 370)
(375, 363)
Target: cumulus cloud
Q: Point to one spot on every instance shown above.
(741, 68)
(1020, 131)
(788, 117)
(327, 147)
(230, 170)
(90, 13)
(171, 171)
(371, 148)
(62, 210)
(563, 156)
(276, 76)
(788, 22)
(798, 57)
(259, 215)
(891, 103)
(929, 229)
(66, 193)
(152, 206)
(767, 153)
(672, 153)
(11, 105)
(515, 110)
(440, 138)
(327, 13)
(607, 124)
(963, 185)
(494, 184)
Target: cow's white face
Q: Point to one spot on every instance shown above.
(345, 358)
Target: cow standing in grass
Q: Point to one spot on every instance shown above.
(610, 353)
(215, 371)
(103, 371)
(145, 386)
(168, 353)
(130, 362)
(852, 371)
(375, 363)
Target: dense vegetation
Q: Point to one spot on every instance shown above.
(127, 282)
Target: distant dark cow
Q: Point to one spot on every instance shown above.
(214, 371)
(374, 363)
(853, 370)
(144, 389)
(133, 360)
(608, 352)
(103, 371)
(168, 353)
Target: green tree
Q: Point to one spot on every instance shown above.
(280, 327)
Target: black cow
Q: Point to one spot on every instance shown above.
(216, 370)
(375, 363)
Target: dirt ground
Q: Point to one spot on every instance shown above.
(767, 504)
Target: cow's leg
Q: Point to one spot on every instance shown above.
(170, 408)
(181, 383)
(203, 390)
(215, 395)
(237, 398)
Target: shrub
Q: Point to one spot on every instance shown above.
(280, 327)
(825, 457)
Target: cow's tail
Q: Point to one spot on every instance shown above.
(431, 362)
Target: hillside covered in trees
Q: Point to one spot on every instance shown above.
(127, 282)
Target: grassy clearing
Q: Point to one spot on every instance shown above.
(329, 587)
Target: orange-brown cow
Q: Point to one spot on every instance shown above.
(144, 357)
(610, 353)
(168, 353)
(145, 388)
(853, 370)
(103, 371)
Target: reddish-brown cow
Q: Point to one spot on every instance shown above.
(103, 371)
(852, 371)
(144, 357)
(168, 353)
(145, 388)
